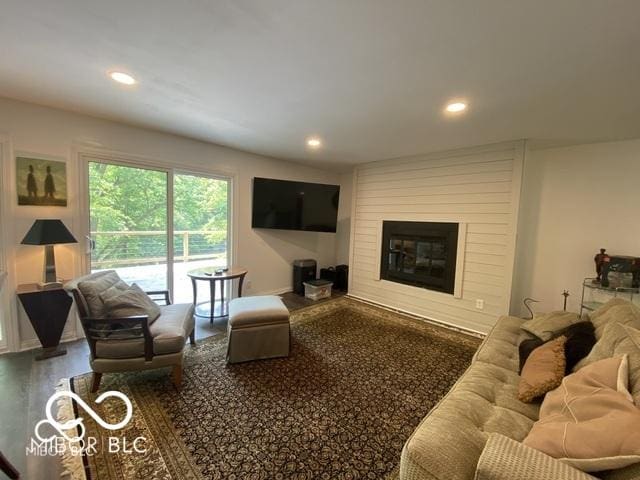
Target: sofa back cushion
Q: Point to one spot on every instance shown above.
(616, 310)
(546, 326)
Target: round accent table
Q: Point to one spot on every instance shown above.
(215, 309)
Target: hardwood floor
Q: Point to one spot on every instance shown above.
(27, 384)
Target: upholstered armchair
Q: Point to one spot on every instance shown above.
(130, 343)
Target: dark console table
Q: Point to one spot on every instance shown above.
(47, 311)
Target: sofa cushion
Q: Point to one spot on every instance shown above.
(590, 422)
(128, 303)
(169, 332)
(95, 284)
(546, 326)
(616, 310)
(449, 440)
(543, 371)
(500, 345)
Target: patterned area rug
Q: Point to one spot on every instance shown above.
(358, 381)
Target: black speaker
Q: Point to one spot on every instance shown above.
(328, 274)
(342, 278)
(303, 271)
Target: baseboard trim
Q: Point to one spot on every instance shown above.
(432, 321)
(35, 343)
(278, 291)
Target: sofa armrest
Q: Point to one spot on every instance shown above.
(163, 294)
(507, 459)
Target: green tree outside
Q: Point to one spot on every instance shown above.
(125, 199)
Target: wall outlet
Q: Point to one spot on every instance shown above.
(479, 304)
(248, 285)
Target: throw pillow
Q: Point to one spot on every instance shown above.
(616, 310)
(618, 340)
(543, 371)
(525, 348)
(580, 341)
(133, 301)
(612, 335)
(545, 326)
(590, 422)
(93, 287)
(114, 290)
(634, 360)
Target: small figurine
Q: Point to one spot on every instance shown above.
(599, 259)
(526, 302)
(565, 294)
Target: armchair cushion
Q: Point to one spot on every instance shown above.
(169, 332)
(130, 302)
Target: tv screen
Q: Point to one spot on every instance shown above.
(286, 205)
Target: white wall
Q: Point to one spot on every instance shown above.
(575, 200)
(55, 133)
(478, 187)
(344, 219)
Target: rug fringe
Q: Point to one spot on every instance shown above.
(72, 465)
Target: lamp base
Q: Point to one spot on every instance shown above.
(50, 352)
(49, 285)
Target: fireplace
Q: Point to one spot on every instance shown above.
(422, 254)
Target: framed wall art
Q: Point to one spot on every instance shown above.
(41, 181)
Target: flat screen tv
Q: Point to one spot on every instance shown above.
(285, 205)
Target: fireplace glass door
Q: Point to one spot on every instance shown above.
(420, 253)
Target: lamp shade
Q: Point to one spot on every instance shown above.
(48, 232)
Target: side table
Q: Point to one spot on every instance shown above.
(209, 275)
(47, 311)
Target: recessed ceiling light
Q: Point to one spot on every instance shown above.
(122, 77)
(456, 107)
(314, 142)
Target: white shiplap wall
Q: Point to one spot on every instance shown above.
(479, 188)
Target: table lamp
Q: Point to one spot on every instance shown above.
(48, 233)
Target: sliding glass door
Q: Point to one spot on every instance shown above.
(201, 223)
(128, 223)
(154, 225)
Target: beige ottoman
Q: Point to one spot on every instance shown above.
(258, 328)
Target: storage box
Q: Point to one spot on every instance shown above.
(317, 289)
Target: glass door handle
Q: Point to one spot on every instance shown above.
(91, 244)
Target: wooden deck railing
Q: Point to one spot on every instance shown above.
(143, 247)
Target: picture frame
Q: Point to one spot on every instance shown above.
(41, 181)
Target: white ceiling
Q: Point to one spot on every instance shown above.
(370, 77)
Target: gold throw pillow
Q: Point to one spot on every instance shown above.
(543, 371)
